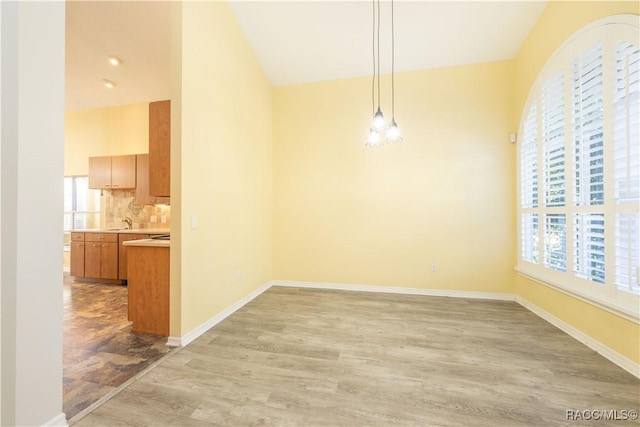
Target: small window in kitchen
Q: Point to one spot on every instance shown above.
(81, 205)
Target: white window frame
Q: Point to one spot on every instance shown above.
(610, 31)
(73, 212)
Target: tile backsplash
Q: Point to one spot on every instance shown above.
(118, 204)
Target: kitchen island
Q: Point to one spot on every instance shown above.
(148, 285)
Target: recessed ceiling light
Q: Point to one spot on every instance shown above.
(108, 84)
(114, 60)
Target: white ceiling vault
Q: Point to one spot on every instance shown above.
(295, 41)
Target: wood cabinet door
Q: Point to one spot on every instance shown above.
(122, 252)
(92, 259)
(77, 259)
(100, 172)
(123, 172)
(109, 261)
(142, 181)
(148, 289)
(160, 148)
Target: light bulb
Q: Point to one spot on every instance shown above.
(374, 140)
(114, 60)
(378, 120)
(393, 133)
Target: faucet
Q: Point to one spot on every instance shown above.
(128, 221)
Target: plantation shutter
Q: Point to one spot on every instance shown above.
(555, 242)
(529, 161)
(529, 237)
(588, 252)
(553, 140)
(626, 164)
(627, 123)
(587, 125)
(628, 252)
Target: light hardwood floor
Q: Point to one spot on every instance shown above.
(304, 357)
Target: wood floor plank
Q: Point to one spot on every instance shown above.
(308, 357)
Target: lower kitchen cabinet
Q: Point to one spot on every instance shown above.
(148, 289)
(122, 256)
(101, 255)
(77, 255)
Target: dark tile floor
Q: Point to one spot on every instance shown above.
(100, 351)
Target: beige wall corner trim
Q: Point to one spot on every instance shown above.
(396, 290)
(615, 357)
(59, 420)
(205, 326)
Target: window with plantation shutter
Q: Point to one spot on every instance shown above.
(580, 154)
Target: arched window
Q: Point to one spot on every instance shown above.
(579, 168)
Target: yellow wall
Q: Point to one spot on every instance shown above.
(225, 156)
(349, 214)
(559, 20)
(104, 132)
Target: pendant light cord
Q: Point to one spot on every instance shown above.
(393, 60)
(378, 35)
(373, 45)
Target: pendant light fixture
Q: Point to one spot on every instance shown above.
(378, 133)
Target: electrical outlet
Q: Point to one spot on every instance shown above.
(163, 219)
(434, 267)
(194, 222)
(240, 275)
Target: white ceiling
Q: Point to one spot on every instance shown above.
(295, 41)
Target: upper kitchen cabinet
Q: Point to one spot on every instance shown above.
(143, 197)
(160, 148)
(112, 172)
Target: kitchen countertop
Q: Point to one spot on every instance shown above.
(149, 243)
(127, 231)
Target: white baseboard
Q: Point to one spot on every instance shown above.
(396, 290)
(615, 357)
(59, 420)
(204, 327)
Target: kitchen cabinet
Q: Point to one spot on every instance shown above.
(77, 254)
(143, 196)
(160, 148)
(122, 255)
(112, 172)
(148, 289)
(101, 255)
